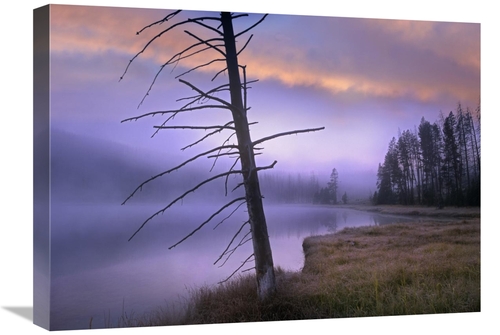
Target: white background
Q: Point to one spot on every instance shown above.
(16, 161)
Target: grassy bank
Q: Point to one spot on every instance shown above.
(400, 269)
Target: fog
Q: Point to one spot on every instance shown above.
(86, 169)
(91, 170)
(96, 273)
(96, 270)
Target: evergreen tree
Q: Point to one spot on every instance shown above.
(438, 164)
(452, 164)
(430, 154)
(333, 185)
(344, 198)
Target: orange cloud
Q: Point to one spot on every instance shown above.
(94, 30)
(456, 45)
(458, 42)
(296, 74)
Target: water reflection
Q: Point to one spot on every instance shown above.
(96, 271)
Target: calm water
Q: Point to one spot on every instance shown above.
(98, 274)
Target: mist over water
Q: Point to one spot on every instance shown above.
(98, 274)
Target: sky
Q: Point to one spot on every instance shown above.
(361, 79)
(16, 136)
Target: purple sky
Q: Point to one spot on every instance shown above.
(362, 79)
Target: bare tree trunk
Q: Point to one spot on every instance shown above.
(262, 254)
(264, 267)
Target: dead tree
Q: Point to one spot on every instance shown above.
(222, 44)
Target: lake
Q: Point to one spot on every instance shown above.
(98, 274)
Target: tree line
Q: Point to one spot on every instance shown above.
(299, 189)
(436, 164)
(328, 194)
(289, 188)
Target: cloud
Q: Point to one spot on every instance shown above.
(89, 31)
(379, 58)
(455, 41)
(421, 60)
(361, 78)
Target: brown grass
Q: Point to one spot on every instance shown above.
(400, 269)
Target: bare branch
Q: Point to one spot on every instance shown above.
(207, 221)
(293, 132)
(266, 167)
(231, 214)
(179, 56)
(197, 21)
(256, 169)
(149, 43)
(247, 42)
(232, 240)
(229, 153)
(165, 19)
(178, 167)
(206, 95)
(203, 138)
(217, 74)
(218, 89)
(200, 140)
(227, 177)
(226, 141)
(239, 267)
(244, 87)
(251, 27)
(174, 59)
(174, 111)
(237, 16)
(183, 196)
(230, 253)
(200, 66)
(171, 117)
(160, 34)
(196, 127)
(207, 42)
(187, 108)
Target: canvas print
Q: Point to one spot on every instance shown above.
(200, 167)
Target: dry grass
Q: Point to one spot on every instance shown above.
(370, 271)
(398, 269)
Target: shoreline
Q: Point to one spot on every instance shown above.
(432, 267)
(415, 210)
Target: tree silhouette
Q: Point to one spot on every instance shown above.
(438, 165)
(344, 198)
(218, 45)
(333, 185)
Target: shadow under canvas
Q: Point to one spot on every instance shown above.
(24, 312)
